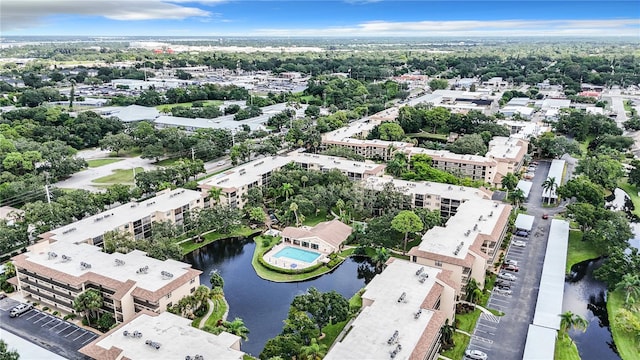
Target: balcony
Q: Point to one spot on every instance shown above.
(61, 301)
(49, 281)
(40, 286)
(145, 305)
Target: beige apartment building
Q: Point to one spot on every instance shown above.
(133, 217)
(55, 273)
(403, 309)
(509, 153)
(235, 183)
(468, 243)
(472, 166)
(430, 195)
(149, 335)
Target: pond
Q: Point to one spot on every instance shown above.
(262, 304)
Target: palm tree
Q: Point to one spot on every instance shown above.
(549, 186)
(472, 291)
(509, 182)
(286, 190)
(88, 302)
(294, 208)
(340, 205)
(313, 351)
(447, 331)
(569, 321)
(214, 194)
(200, 295)
(304, 179)
(630, 284)
(381, 256)
(237, 327)
(517, 197)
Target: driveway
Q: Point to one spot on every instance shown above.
(504, 337)
(45, 330)
(82, 179)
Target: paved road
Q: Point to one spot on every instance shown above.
(504, 337)
(82, 179)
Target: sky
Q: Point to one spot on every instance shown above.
(327, 18)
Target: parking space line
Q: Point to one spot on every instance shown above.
(83, 334)
(32, 316)
(89, 339)
(42, 318)
(49, 322)
(496, 299)
(480, 346)
(486, 332)
(68, 326)
(72, 332)
(489, 326)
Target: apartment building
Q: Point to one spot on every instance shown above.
(429, 195)
(150, 335)
(403, 309)
(133, 217)
(472, 166)
(509, 153)
(468, 243)
(236, 182)
(56, 272)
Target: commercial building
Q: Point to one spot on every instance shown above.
(429, 195)
(403, 309)
(133, 217)
(162, 336)
(55, 273)
(468, 243)
(236, 182)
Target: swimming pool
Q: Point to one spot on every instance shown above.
(297, 254)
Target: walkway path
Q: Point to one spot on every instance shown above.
(206, 317)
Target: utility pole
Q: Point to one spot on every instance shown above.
(46, 189)
(193, 154)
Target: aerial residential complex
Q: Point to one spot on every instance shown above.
(403, 309)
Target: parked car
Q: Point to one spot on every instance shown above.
(503, 291)
(522, 233)
(510, 267)
(507, 276)
(511, 262)
(545, 216)
(2, 296)
(503, 286)
(534, 163)
(220, 163)
(519, 243)
(529, 176)
(475, 355)
(20, 309)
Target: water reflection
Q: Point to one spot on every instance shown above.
(262, 304)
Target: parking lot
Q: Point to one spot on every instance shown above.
(50, 332)
(504, 337)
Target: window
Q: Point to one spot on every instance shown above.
(314, 246)
(438, 263)
(169, 305)
(305, 244)
(192, 290)
(192, 281)
(168, 295)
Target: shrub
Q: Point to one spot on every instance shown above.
(266, 242)
(46, 308)
(202, 310)
(56, 313)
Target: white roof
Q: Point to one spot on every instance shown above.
(549, 304)
(27, 349)
(540, 343)
(523, 110)
(96, 225)
(474, 217)
(376, 323)
(519, 101)
(445, 155)
(555, 104)
(136, 113)
(104, 264)
(438, 190)
(524, 222)
(176, 336)
(525, 186)
(555, 171)
(504, 147)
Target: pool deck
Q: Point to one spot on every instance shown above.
(285, 262)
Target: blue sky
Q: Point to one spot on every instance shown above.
(352, 18)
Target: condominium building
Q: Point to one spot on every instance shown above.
(429, 195)
(472, 166)
(468, 243)
(55, 273)
(133, 217)
(403, 309)
(162, 336)
(235, 183)
(509, 153)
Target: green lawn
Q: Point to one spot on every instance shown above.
(627, 105)
(429, 136)
(566, 349)
(632, 191)
(243, 231)
(461, 342)
(467, 322)
(101, 162)
(331, 332)
(219, 308)
(627, 343)
(313, 220)
(133, 152)
(168, 162)
(189, 104)
(119, 176)
(579, 250)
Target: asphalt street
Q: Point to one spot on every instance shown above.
(504, 337)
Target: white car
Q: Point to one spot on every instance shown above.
(220, 163)
(519, 243)
(502, 291)
(475, 355)
(507, 276)
(511, 262)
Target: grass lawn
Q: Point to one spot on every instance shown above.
(313, 220)
(243, 231)
(579, 250)
(627, 343)
(219, 308)
(466, 322)
(461, 342)
(119, 176)
(566, 349)
(133, 152)
(189, 104)
(429, 136)
(331, 332)
(101, 162)
(168, 162)
(627, 105)
(632, 191)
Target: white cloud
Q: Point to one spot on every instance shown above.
(21, 14)
(613, 27)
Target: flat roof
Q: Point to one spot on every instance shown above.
(105, 264)
(474, 217)
(177, 339)
(376, 323)
(333, 162)
(549, 304)
(501, 147)
(524, 222)
(135, 113)
(525, 186)
(447, 191)
(556, 170)
(541, 343)
(444, 155)
(109, 220)
(27, 349)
